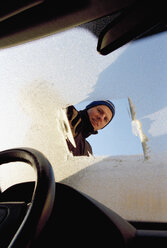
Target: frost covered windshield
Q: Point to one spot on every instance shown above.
(40, 78)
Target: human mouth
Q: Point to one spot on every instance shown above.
(95, 123)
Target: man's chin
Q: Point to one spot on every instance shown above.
(95, 128)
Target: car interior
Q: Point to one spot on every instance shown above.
(46, 213)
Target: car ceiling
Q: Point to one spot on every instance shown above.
(28, 20)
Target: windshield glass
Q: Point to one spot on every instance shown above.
(40, 79)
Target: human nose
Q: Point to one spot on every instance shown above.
(101, 117)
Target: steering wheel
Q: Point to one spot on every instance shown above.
(41, 205)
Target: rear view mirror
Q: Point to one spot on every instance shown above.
(132, 23)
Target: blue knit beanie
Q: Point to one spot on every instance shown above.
(108, 103)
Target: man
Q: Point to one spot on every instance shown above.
(94, 117)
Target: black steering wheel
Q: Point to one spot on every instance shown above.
(41, 205)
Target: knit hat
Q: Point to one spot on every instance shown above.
(108, 103)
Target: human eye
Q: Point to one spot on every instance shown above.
(99, 110)
(106, 119)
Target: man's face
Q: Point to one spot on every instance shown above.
(99, 116)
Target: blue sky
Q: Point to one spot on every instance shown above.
(116, 138)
